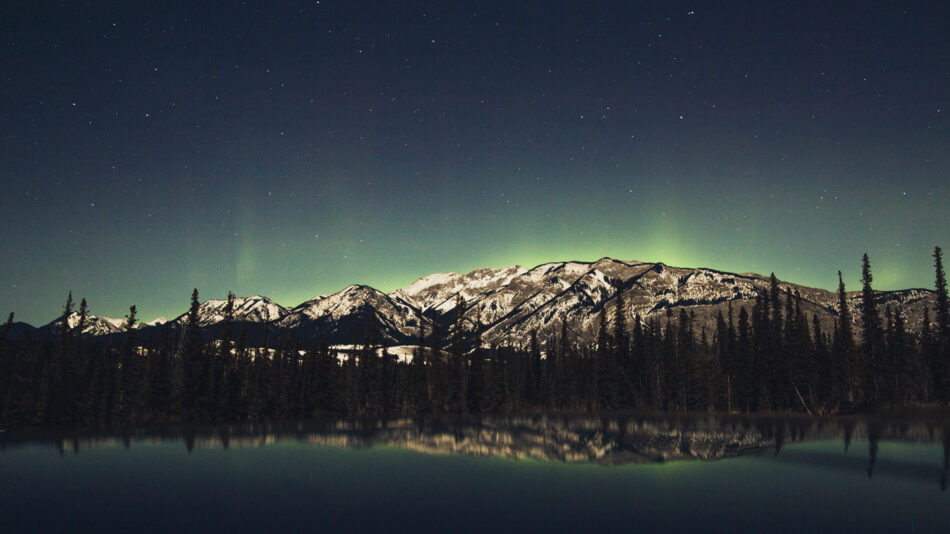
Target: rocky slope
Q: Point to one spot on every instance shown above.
(506, 305)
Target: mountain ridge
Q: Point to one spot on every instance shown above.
(507, 304)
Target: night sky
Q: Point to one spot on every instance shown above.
(290, 149)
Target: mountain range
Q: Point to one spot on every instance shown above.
(507, 304)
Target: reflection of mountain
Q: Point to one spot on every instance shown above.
(563, 440)
(604, 440)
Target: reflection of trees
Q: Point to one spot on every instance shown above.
(874, 436)
(946, 458)
(607, 440)
(848, 430)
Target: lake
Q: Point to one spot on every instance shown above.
(524, 474)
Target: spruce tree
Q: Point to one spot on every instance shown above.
(762, 350)
(458, 368)
(928, 357)
(83, 317)
(125, 382)
(668, 365)
(636, 371)
(565, 379)
(845, 387)
(369, 378)
(193, 367)
(685, 355)
(871, 335)
(226, 383)
(898, 373)
(745, 387)
(942, 335)
(476, 376)
(5, 329)
(73, 379)
(67, 312)
(435, 371)
(823, 366)
(655, 350)
(620, 341)
(532, 375)
(418, 396)
(600, 394)
(620, 362)
(6, 362)
(724, 358)
(778, 357)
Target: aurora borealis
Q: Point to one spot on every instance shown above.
(292, 148)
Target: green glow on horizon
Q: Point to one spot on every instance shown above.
(292, 244)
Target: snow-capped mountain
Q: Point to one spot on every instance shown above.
(246, 309)
(437, 291)
(541, 298)
(158, 321)
(94, 326)
(342, 317)
(507, 304)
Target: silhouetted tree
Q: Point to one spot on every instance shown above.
(458, 366)
(844, 381)
(941, 349)
(872, 338)
(193, 367)
(476, 375)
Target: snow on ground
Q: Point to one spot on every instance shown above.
(403, 353)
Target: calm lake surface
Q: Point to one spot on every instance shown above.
(514, 474)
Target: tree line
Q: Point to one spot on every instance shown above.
(768, 357)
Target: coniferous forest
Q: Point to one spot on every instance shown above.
(770, 357)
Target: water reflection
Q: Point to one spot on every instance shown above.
(609, 440)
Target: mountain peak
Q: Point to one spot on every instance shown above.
(94, 325)
(256, 309)
(508, 304)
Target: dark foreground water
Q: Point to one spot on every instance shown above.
(522, 474)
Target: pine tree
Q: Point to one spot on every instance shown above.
(669, 383)
(69, 381)
(601, 394)
(5, 329)
(845, 387)
(872, 345)
(898, 371)
(762, 350)
(824, 369)
(125, 379)
(67, 313)
(745, 374)
(83, 317)
(941, 357)
(418, 396)
(369, 379)
(6, 362)
(778, 357)
(458, 368)
(476, 376)
(565, 390)
(226, 394)
(724, 360)
(435, 371)
(497, 388)
(532, 372)
(193, 368)
(636, 371)
(546, 382)
(620, 363)
(798, 352)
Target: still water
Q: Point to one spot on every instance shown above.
(514, 474)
